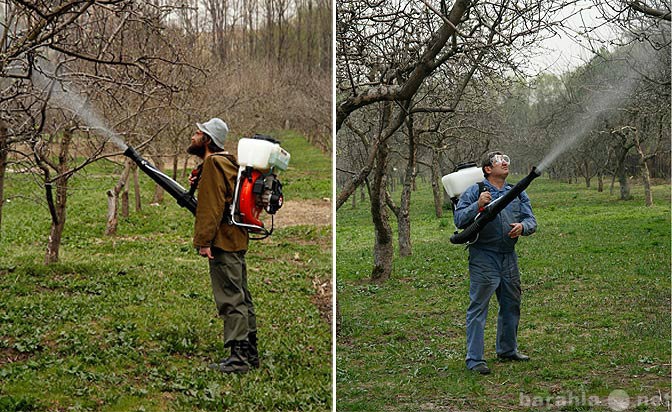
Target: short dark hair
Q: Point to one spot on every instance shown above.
(487, 161)
(212, 147)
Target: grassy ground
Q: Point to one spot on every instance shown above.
(595, 313)
(128, 323)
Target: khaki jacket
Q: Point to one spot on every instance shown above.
(215, 192)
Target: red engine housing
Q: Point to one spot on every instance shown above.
(248, 208)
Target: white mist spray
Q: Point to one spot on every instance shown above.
(598, 102)
(66, 95)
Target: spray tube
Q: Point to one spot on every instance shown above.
(184, 198)
(492, 210)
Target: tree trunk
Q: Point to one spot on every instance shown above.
(622, 174)
(586, 172)
(403, 217)
(125, 209)
(383, 248)
(175, 166)
(113, 197)
(4, 151)
(184, 167)
(447, 203)
(158, 190)
(624, 184)
(611, 187)
(55, 236)
(646, 176)
(600, 182)
(436, 186)
(587, 176)
(59, 209)
(111, 228)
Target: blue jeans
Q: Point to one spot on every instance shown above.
(492, 272)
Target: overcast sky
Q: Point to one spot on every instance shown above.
(567, 50)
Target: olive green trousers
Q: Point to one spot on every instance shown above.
(228, 274)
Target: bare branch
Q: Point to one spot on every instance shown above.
(649, 11)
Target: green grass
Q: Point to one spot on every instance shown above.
(128, 323)
(595, 312)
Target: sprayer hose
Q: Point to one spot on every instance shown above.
(467, 234)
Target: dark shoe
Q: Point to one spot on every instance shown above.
(216, 364)
(481, 368)
(253, 353)
(237, 362)
(515, 357)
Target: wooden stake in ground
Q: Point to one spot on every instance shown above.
(112, 199)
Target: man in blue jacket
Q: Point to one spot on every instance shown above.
(493, 263)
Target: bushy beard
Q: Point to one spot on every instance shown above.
(197, 150)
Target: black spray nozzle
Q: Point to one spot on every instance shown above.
(469, 234)
(183, 197)
(132, 154)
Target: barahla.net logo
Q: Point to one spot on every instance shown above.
(618, 400)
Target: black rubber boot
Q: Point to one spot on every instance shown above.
(253, 352)
(237, 362)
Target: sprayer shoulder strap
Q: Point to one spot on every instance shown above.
(226, 218)
(232, 159)
(228, 156)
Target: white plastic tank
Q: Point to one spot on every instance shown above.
(262, 154)
(466, 175)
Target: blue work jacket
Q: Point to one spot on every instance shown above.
(494, 236)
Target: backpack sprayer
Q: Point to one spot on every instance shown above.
(257, 186)
(468, 174)
(464, 175)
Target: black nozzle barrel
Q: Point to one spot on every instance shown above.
(515, 191)
(469, 234)
(183, 197)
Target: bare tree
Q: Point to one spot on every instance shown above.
(389, 52)
(57, 63)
